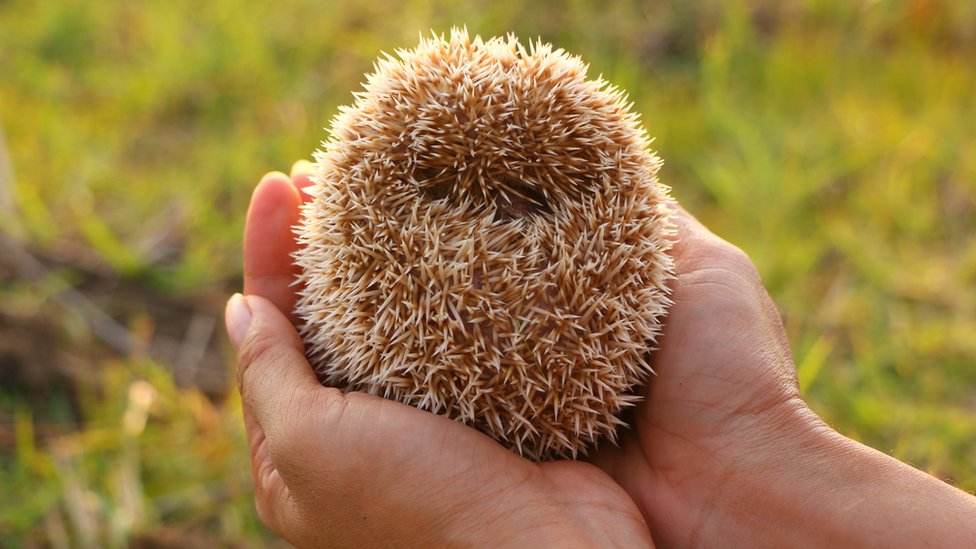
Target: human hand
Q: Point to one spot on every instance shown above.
(724, 404)
(333, 469)
(724, 452)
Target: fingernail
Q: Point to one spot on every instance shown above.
(237, 316)
(302, 166)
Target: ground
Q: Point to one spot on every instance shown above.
(831, 140)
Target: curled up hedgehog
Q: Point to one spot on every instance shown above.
(488, 241)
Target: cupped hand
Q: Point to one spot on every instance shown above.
(723, 408)
(333, 469)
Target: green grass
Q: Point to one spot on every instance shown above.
(832, 141)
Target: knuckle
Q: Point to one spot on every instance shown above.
(728, 269)
(306, 416)
(737, 262)
(293, 433)
(256, 348)
(735, 257)
(255, 353)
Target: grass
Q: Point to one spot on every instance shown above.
(830, 140)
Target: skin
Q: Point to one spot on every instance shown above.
(722, 451)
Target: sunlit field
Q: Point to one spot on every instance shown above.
(835, 142)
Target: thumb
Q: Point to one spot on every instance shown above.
(271, 366)
(336, 454)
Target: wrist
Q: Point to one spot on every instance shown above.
(745, 490)
(810, 485)
(756, 497)
(788, 491)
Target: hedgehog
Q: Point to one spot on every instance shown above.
(488, 240)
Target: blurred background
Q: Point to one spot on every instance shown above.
(835, 141)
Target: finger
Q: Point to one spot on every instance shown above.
(269, 270)
(277, 384)
(269, 489)
(695, 246)
(301, 177)
(253, 324)
(318, 439)
(688, 227)
(271, 365)
(261, 465)
(280, 391)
